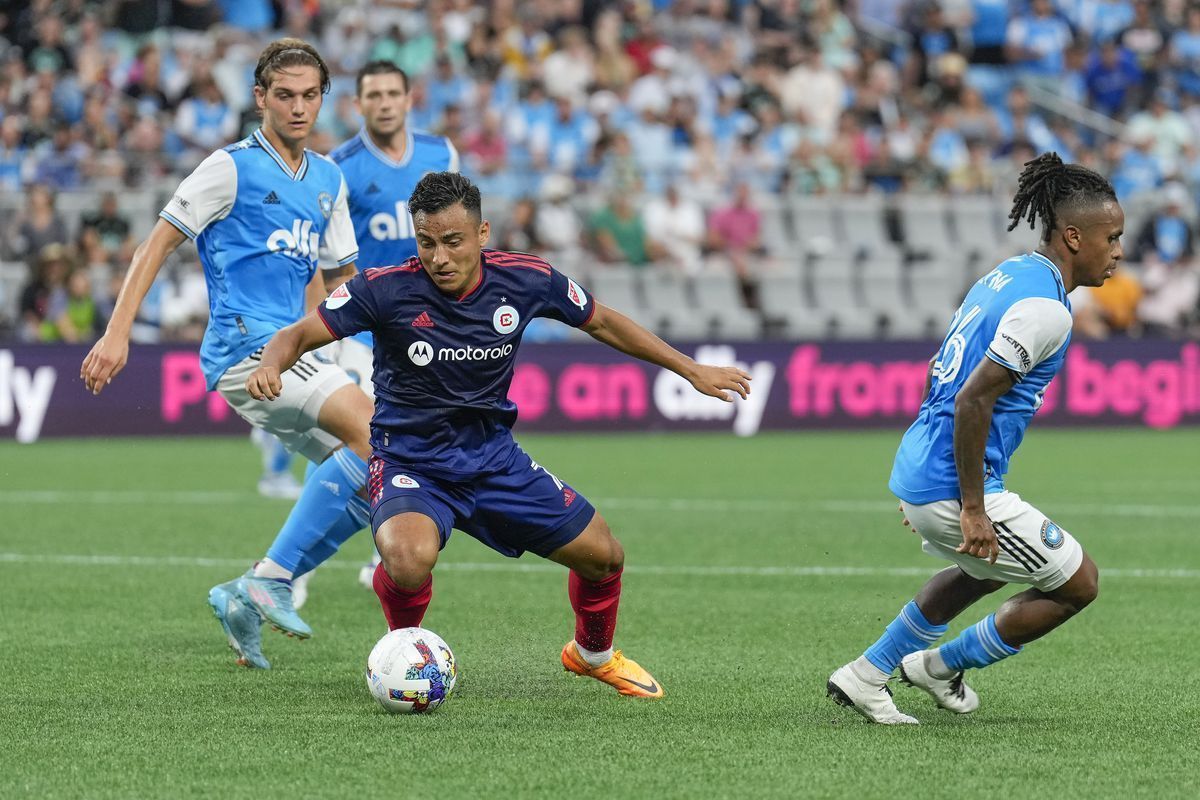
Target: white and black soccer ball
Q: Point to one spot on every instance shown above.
(411, 671)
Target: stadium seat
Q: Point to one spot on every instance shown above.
(926, 228)
(816, 225)
(833, 286)
(670, 307)
(864, 225)
(976, 225)
(785, 305)
(616, 287)
(719, 298)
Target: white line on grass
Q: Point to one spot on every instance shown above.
(664, 504)
(516, 566)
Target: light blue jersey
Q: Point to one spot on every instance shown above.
(379, 189)
(1017, 315)
(258, 227)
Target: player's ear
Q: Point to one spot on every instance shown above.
(260, 97)
(485, 232)
(1072, 237)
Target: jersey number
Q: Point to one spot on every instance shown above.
(949, 360)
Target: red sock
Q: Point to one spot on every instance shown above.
(403, 608)
(595, 607)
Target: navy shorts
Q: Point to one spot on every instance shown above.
(518, 508)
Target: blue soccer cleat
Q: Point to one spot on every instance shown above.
(241, 622)
(273, 600)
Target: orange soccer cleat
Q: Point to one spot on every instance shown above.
(624, 674)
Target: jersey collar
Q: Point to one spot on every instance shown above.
(374, 150)
(270, 150)
(1053, 267)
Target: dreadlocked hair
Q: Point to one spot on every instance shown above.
(1047, 187)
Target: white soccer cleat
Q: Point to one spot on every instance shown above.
(366, 574)
(951, 694)
(873, 701)
(281, 486)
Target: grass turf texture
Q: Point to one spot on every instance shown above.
(118, 683)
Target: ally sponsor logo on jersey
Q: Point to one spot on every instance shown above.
(300, 241)
(385, 227)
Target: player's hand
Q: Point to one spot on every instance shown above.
(264, 383)
(904, 520)
(106, 358)
(714, 381)
(979, 537)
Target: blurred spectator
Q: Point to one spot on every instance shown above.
(569, 70)
(1166, 251)
(1136, 170)
(1144, 37)
(1184, 54)
(13, 165)
(37, 225)
(58, 163)
(252, 16)
(111, 227)
(43, 294)
(1112, 79)
(1163, 125)
(677, 224)
(1037, 41)
(204, 121)
(619, 235)
(71, 315)
(813, 91)
(520, 231)
(735, 231)
(559, 230)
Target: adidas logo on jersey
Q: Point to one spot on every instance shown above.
(373, 189)
(423, 321)
(385, 227)
(300, 241)
(271, 199)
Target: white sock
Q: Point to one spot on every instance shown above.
(269, 569)
(868, 672)
(935, 665)
(593, 658)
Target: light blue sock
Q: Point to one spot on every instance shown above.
(907, 633)
(977, 646)
(356, 517)
(321, 505)
(278, 457)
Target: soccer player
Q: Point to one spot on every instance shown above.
(258, 211)
(382, 165)
(447, 325)
(1005, 343)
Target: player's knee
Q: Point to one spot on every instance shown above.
(408, 555)
(607, 558)
(1083, 588)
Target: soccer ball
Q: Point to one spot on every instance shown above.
(411, 671)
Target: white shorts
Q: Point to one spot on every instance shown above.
(293, 415)
(1033, 549)
(359, 363)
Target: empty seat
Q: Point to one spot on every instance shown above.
(926, 225)
(786, 306)
(976, 221)
(835, 294)
(668, 304)
(815, 221)
(617, 287)
(863, 224)
(719, 300)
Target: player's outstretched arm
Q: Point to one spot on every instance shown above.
(281, 353)
(972, 418)
(109, 354)
(621, 333)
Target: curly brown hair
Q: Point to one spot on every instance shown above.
(284, 53)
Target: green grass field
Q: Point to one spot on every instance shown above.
(118, 682)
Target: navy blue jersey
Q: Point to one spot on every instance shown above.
(443, 364)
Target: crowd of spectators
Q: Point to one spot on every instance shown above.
(642, 133)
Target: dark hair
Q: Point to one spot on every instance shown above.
(440, 190)
(284, 53)
(1047, 187)
(379, 68)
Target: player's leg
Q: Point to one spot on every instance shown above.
(596, 560)
(319, 404)
(862, 684)
(408, 544)
(1065, 580)
(276, 480)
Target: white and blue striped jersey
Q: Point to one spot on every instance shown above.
(258, 227)
(1018, 315)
